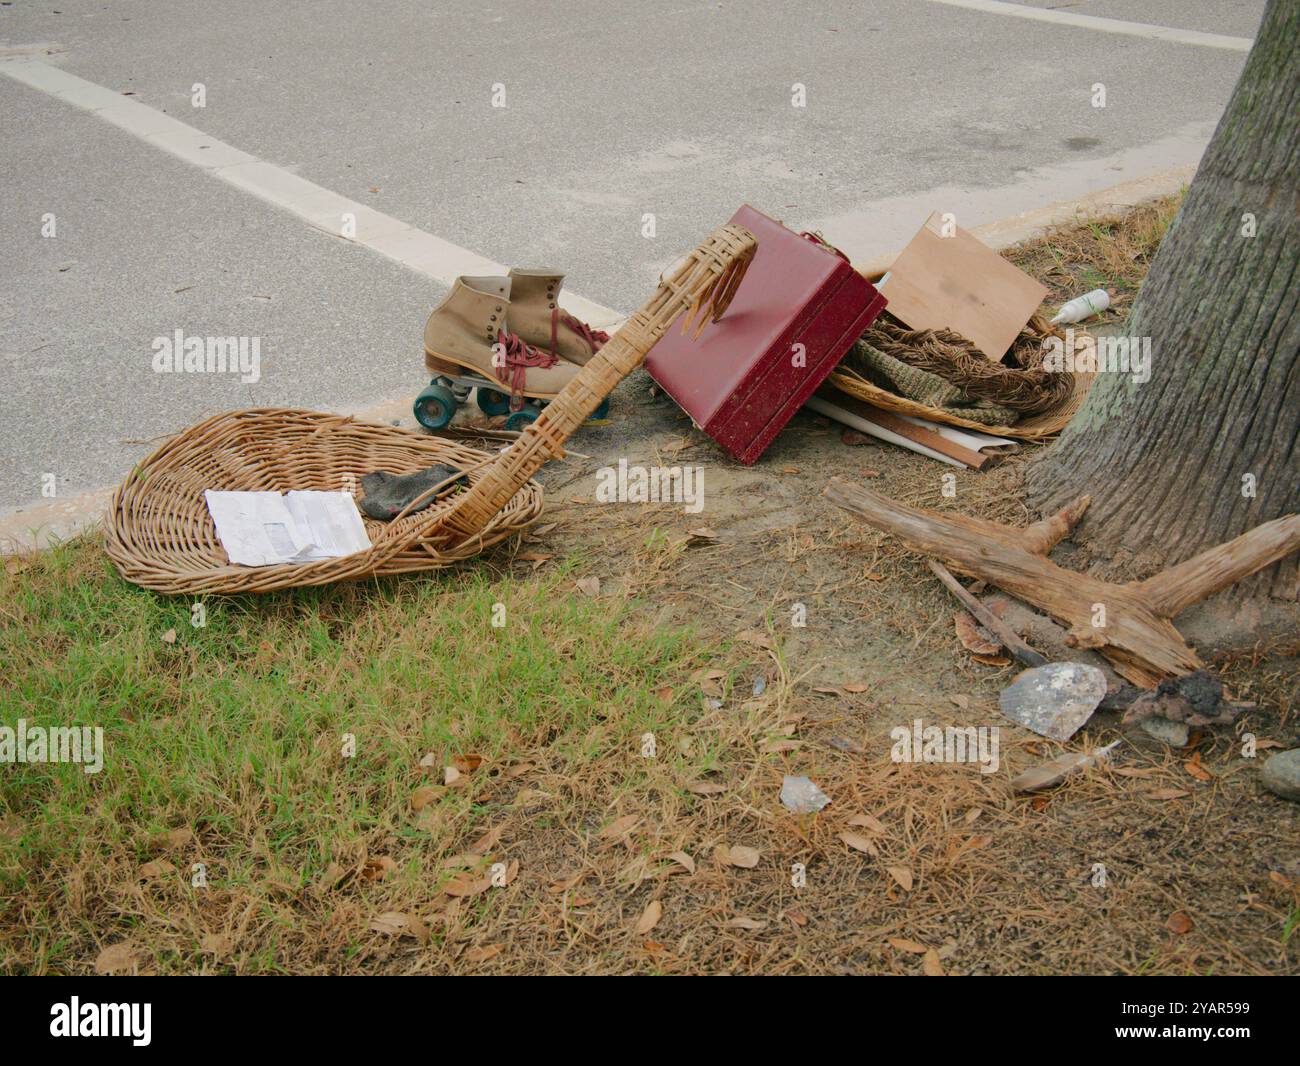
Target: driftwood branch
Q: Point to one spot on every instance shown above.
(1131, 624)
(1010, 640)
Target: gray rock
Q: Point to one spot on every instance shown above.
(1281, 774)
(800, 795)
(1175, 734)
(1054, 700)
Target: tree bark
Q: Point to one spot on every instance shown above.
(1170, 464)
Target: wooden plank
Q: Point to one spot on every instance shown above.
(955, 282)
(890, 421)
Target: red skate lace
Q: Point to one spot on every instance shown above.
(519, 357)
(594, 337)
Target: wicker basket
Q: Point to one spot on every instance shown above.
(159, 534)
(1034, 427)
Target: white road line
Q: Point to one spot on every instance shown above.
(1105, 25)
(318, 206)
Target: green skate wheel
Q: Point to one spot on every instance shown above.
(434, 407)
(521, 420)
(493, 403)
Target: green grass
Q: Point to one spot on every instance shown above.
(236, 731)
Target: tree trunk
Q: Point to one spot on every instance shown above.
(1207, 448)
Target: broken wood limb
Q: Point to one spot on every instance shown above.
(1045, 534)
(1131, 621)
(1010, 640)
(1186, 583)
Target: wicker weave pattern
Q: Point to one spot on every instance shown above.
(159, 534)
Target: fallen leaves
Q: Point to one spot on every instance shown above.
(654, 910)
(116, 958)
(902, 875)
(858, 842)
(399, 924)
(740, 855)
(1179, 923)
(589, 586)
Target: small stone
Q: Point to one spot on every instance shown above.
(800, 795)
(1175, 734)
(1281, 774)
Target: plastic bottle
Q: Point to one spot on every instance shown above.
(1081, 307)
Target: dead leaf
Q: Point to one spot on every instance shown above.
(451, 777)
(856, 687)
(375, 869)
(684, 861)
(620, 827)
(484, 953)
(564, 884)
(751, 924)
(1179, 922)
(908, 945)
(902, 875)
(664, 694)
(423, 796)
(590, 586)
(467, 764)
(755, 637)
(487, 841)
(859, 843)
(931, 965)
(992, 660)
(867, 821)
(706, 788)
(399, 923)
(1054, 771)
(776, 746)
(1166, 794)
(743, 856)
(429, 761)
(116, 958)
(519, 769)
(654, 910)
(217, 944)
(1134, 771)
(703, 533)
(16, 564)
(157, 868)
(465, 885)
(797, 918)
(1193, 766)
(169, 637)
(975, 637)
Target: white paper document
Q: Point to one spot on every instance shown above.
(303, 526)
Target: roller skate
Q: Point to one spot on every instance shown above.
(536, 316)
(469, 347)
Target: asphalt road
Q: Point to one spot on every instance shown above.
(614, 111)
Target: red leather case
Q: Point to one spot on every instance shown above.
(737, 379)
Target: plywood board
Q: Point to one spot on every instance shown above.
(955, 282)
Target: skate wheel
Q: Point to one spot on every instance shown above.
(434, 407)
(601, 412)
(521, 420)
(492, 403)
